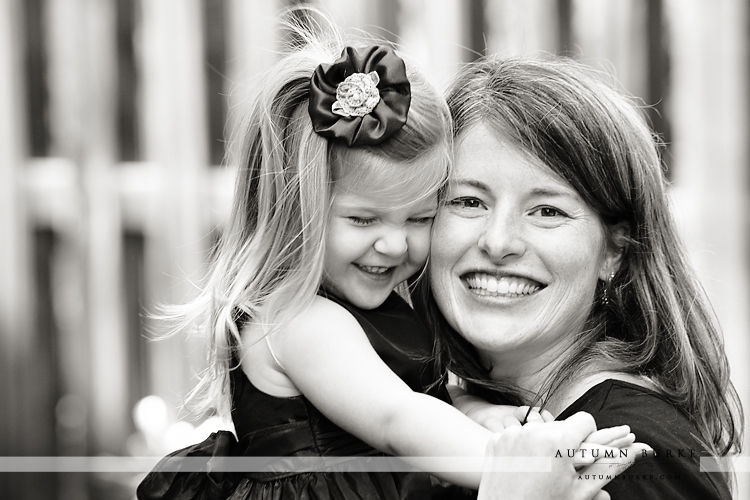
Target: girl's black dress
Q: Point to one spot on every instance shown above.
(292, 427)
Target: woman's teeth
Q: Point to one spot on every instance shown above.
(485, 284)
(374, 269)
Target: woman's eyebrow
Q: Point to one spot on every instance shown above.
(470, 182)
(556, 192)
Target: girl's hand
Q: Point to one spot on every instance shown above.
(616, 437)
(536, 414)
(495, 417)
(604, 443)
(545, 441)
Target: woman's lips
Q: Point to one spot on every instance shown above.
(487, 284)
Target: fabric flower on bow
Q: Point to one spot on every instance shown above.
(362, 98)
(357, 95)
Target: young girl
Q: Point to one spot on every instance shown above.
(344, 152)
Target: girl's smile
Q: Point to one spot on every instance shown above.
(379, 273)
(372, 246)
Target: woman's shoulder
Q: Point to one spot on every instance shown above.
(620, 402)
(674, 471)
(622, 396)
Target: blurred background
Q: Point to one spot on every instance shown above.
(112, 123)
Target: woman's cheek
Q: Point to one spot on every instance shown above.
(451, 238)
(438, 244)
(421, 245)
(449, 244)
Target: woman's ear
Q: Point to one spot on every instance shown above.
(617, 244)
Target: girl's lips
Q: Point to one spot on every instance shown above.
(379, 273)
(508, 285)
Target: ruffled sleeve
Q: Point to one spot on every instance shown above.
(168, 482)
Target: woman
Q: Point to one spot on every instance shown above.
(561, 280)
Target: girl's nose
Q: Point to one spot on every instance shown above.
(502, 237)
(392, 243)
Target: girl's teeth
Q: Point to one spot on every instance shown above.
(375, 269)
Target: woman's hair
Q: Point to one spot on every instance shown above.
(657, 321)
(268, 264)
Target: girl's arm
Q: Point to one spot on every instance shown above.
(328, 357)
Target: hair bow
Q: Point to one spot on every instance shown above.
(362, 98)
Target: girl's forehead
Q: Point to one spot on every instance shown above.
(367, 173)
(386, 196)
(400, 185)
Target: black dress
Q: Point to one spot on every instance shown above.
(292, 427)
(674, 473)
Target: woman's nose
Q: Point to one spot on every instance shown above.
(392, 243)
(502, 237)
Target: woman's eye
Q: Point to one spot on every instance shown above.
(361, 221)
(549, 212)
(465, 202)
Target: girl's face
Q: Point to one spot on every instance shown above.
(516, 255)
(376, 239)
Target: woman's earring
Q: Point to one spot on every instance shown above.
(607, 287)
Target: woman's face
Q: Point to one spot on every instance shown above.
(516, 254)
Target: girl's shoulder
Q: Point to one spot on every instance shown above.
(267, 356)
(323, 313)
(323, 322)
(392, 322)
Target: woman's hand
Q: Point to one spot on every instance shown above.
(549, 444)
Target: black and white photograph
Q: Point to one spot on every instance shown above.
(384, 249)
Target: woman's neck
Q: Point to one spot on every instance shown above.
(529, 369)
(537, 376)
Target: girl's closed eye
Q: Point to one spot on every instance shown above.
(361, 221)
(422, 221)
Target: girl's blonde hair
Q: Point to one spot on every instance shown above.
(268, 265)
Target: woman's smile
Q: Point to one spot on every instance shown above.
(490, 285)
